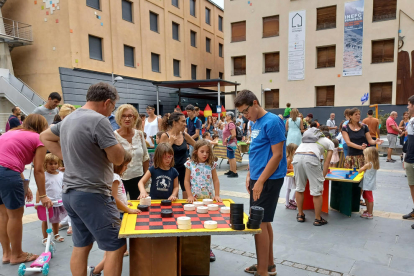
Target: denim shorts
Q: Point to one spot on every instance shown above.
(230, 152)
(94, 217)
(11, 189)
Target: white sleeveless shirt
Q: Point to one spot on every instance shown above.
(151, 129)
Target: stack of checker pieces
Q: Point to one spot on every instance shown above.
(255, 218)
(236, 216)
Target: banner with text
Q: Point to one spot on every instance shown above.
(296, 52)
(353, 36)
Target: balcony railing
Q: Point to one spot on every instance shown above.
(15, 30)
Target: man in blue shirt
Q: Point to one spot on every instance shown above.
(268, 167)
(193, 125)
(13, 121)
(112, 120)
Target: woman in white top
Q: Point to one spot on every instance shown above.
(151, 125)
(132, 140)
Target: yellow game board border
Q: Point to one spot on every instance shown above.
(129, 220)
(357, 179)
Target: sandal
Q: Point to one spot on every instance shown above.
(44, 241)
(300, 218)
(292, 202)
(320, 222)
(126, 254)
(58, 238)
(290, 207)
(30, 257)
(69, 232)
(253, 270)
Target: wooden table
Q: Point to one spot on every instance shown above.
(170, 252)
(345, 193)
(220, 151)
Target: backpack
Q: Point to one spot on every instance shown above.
(312, 135)
(239, 134)
(195, 125)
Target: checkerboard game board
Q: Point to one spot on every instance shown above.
(152, 219)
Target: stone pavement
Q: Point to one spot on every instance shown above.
(346, 246)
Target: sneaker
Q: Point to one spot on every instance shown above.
(89, 271)
(212, 256)
(391, 161)
(233, 175)
(409, 216)
(367, 216)
(228, 173)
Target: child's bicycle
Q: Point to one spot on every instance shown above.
(41, 264)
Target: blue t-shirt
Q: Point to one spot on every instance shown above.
(192, 125)
(162, 184)
(266, 132)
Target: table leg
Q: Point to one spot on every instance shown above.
(153, 257)
(195, 255)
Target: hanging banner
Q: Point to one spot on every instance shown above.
(296, 52)
(353, 36)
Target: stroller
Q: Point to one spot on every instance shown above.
(41, 264)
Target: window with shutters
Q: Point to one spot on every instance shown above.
(383, 51)
(381, 93)
(193, 36)
(326, 18)
(271, 62)
(176, 31)
(154, 22)
(220, 23)
(272, 98)
(129, 57)
(193, 72)
(326, 57)
(155, 62)
(325, 95)
(208, 42)
(175, 3)
(193, 8)
(384, 10)
(238, 31)
(208, 16)
(127, 10)
(96, 4)
(208, 73)
(176, 67)
(239, 65)
(220, 50)
(271, 26)
(220, 75)
(95, 48)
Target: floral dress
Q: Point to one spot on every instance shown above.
(201, 179)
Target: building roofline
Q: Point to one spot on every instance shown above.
(215, 5)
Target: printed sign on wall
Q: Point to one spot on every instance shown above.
(297, 36)
(353, 37)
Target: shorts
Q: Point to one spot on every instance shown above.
(308, 167)
(230, 152)
(392, 140)
(268, 198)
(409, 170)
(181, 176)
(11, 189)
(368, 196)
(94, 217)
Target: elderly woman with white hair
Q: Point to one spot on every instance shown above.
(230, 140)
(133, 141)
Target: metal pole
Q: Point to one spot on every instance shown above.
(179, 97)
(218, 93)
(158, 103)
(236, 113)
(113, 82)
(261, 94)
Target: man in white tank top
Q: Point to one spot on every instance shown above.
(151, 125)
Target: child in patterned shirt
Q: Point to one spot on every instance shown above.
(201, 176)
